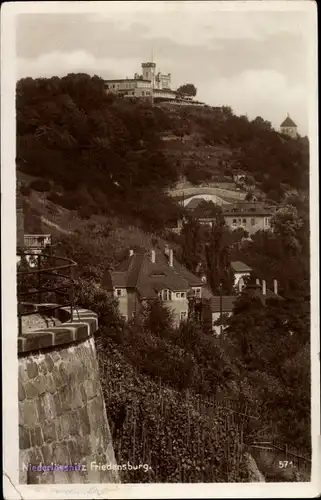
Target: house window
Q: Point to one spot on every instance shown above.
(165, 295)
(183, 316)
(234, 222)
(124, 317)
(178, 295)
(118, 292)
(244, 221)
(197, 292)
(182, 295)
(266, 221)
(253, 222)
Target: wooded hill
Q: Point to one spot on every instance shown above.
(82, 150)
(101, 155)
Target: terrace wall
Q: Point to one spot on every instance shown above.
(62, 415)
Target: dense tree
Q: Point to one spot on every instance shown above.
(286, 224)
(217, 257)
(268, 341)
(191, 244)
(71, 133)
(187, 89)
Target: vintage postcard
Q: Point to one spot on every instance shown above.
(160, 249)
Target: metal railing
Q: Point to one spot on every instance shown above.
(45, 282)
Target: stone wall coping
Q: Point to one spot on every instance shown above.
(82, 325)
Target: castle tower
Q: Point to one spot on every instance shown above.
(288, 127)
(149, 69)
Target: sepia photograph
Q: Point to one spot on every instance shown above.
(160, 266)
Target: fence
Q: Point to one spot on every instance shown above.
(183, 436)
(206, 427)
(45, 282)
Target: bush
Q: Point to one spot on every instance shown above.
(41, 185)
(25, 190)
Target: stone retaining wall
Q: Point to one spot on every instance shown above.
(62, 416)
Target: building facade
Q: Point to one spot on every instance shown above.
(252, 217)
(148, 84)
(154, 275)
(130, 87)
(289, 128)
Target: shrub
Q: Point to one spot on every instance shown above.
(41, 185)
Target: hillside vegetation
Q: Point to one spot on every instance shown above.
(101, 155)
(94, 171)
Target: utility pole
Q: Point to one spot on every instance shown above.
(153, 77)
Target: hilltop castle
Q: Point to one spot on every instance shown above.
(149, 84)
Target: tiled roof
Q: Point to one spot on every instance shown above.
(138, 271)
(240, 267)
(247, 208)
(227, 303)
(257, 292)
(187, 275)
(118, 279)
(288, 122)
(194, 203)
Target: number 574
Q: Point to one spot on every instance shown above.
(283, 464)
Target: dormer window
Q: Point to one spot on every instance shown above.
(165, 295)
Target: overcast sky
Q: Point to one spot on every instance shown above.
(255, 62)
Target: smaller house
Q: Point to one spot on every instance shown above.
(289, 128)
(240, 271)
(220, 308)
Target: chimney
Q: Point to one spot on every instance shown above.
(275, 286)
(171, 258)
(153, 256)
(131, 252)
(263, 287)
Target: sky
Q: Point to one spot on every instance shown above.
(255, 61)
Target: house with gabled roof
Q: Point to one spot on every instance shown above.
(219, 308)
(151, 275)
(240, 271)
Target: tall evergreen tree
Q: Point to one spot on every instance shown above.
(217, 257)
